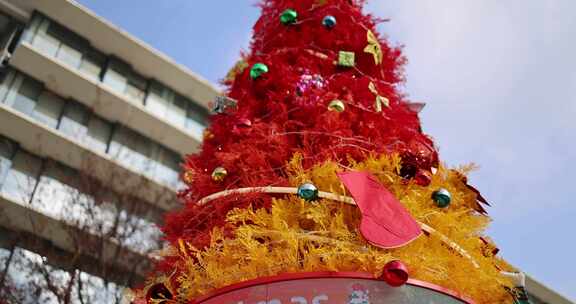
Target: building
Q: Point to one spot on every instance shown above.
(93, 125)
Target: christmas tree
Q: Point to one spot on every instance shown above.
(315, 161)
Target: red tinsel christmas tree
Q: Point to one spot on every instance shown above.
(316, 106)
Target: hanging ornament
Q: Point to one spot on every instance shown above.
(308, 192)
(329, 21)
(423, 177)
(380, 101)
(242, 124)
(207, 134)
(395, 273)
(258, 70)
(219, 174)
(385, 221)
(419, 154)
(374, 48)
(309, 81)
(158, 293)
(337, 105)
(224, 104)
(346, 59)
(188, 176)
(442, 197)
(288, 16)
(416, 106)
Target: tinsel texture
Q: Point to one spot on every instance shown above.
(285, 130)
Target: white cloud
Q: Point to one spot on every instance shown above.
(499, 78)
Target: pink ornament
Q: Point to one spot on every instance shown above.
(385, 221)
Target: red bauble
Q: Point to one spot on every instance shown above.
(423, 177)
(395, 273)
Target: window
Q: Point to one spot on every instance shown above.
(177, 111)
(176, 108)
(21, 178)
(106, 212)
(137, 233)
(122, 79)
(54, 40)
(167, 168)
(98, 290)
(131, 149)
(7, 81)
(22, 274)
(27, 96)
(53, 195)
(7, 150)
(92, 64)
(74, 121)
(99, 132)
(136, 87)
(8, 31)
(85, 127)
(69, 55)
(30, 278)
(71, 46)
(5, 23)
(196, 118)
(46, 44)
(158, 99)
(115, 80)
(48, 109)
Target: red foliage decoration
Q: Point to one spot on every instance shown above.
(284, 111)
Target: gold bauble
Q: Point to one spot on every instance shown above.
(337, 105)
(219, 174)
(188, 176)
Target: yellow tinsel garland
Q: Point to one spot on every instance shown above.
(300, 236)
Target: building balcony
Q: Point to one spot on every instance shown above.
(46, 142)
(61, 244)
(104, 101)
(109, 39)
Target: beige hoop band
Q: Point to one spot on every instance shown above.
(335, 197)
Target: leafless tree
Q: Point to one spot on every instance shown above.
(86, 237)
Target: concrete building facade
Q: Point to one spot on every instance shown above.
(93, 126)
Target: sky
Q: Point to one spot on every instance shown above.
(499, 80)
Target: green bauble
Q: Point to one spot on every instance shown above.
(288, 16)
(442, 198)
(257, 70)
(308, 192)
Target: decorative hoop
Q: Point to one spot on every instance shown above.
(334, 197)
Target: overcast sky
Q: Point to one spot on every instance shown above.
(499, 78)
